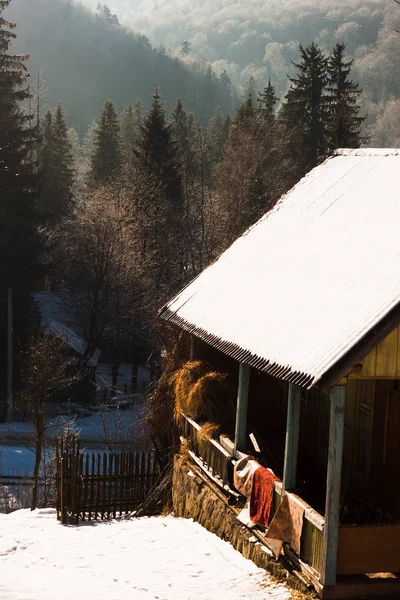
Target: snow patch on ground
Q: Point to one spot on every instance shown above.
(156, 558)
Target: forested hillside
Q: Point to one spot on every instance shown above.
(129, 176)
(261, 37)
(86, 60)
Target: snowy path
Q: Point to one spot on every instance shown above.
(158, 558)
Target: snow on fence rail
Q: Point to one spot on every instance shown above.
(102, 486)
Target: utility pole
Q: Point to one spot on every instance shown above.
(9, 356)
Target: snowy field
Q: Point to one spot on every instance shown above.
(114, 422)
(96, 430)
(157, 558)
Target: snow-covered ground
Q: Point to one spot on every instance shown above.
(156, 558)
(93, 426)
(117, 426)
(124, 380)
(117, 423)
(16, 460)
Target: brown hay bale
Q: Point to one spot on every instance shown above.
(183, 380)
(209, 431)
(207, 394)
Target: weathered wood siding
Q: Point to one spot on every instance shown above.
(369, 549)
(383, 361)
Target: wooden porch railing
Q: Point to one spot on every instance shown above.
(214, 456)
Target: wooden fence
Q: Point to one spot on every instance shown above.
(102, 485)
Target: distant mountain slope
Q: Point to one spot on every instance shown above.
(261, 37)
(87, 61)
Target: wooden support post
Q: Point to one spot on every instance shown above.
(333, 484)
(292, 438)
(241, 407)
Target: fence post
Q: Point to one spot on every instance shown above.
(57, 482)
(62, 490)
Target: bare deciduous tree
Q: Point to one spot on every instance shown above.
(257, 168)
(45, 375)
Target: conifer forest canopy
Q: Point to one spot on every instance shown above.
(138, 141)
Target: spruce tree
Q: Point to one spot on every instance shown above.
(157, 156)
(19, 241)
(130, 129)
(209, 95)
(305, 106)
(217, 136)
(245, 110)
(344, 121)
(57, 168)
(157, 152)
(267, 101)
(106, 152)
(181, 125)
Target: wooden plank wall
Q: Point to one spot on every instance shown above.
(383, 361)
(384, 473)
(369, 549)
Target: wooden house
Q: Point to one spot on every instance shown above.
(305, 309)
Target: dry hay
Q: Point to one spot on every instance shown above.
(209, 431)
(204, 395)
(212, 399)
(184, 379)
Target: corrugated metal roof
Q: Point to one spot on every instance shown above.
(302, 286)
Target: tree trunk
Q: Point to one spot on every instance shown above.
(38, 458)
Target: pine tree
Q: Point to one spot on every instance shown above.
(19, 241)
(209, 95)
(106, 153)
(89, 139)
(157, 151)
(226, 91)
(105, 13)
(157, 156)
(57, 167)
(130, 129)
(225, 80)
(217, 136)
(245, 110)
(305, 107)
(181, 124)
(250, 88)
(186, 48)
(73, 140)
(267, 101)
(344, 121)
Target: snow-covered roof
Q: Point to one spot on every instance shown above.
(302, 287)
(54, 306)
(72, 339)
(56, 319)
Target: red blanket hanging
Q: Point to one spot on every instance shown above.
(261, 496)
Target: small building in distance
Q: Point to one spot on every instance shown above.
(56, 320)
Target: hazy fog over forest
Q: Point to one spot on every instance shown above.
(261, 37)
(241, 38)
